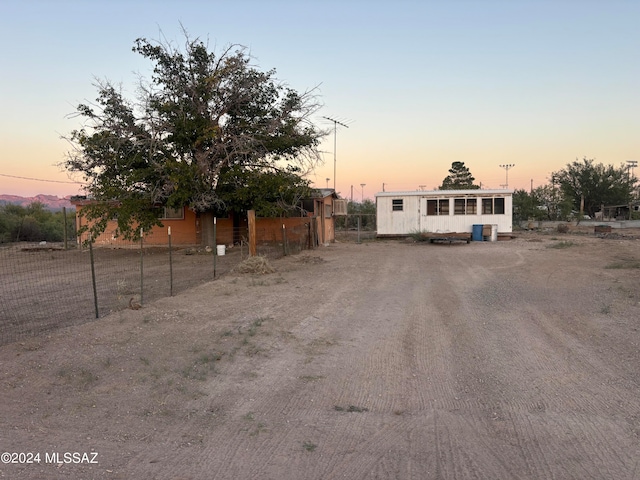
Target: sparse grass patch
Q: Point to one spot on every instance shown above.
(624, 264)
(256, 265)
(419, 236)
(562, 244)
(308, 446)
(82, 378)
(350, 409)
(254, 326)
(202, 366)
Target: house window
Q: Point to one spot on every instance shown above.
(169, 213)
(327, 210)
(498, 206)
(397, 205)
(438, 207)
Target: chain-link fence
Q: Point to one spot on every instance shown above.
(356, 227)
(45, 286)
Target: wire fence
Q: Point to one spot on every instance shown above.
(45, 286)
(356, 227)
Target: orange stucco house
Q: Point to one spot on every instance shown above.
(189, 228)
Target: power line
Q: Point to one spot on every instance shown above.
(40, 179)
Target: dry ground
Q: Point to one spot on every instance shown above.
(504, 360)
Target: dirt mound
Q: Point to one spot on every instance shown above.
(309, 259)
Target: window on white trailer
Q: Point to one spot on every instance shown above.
(487, 206)
(397, 205)
(472, 204)
(438, 207)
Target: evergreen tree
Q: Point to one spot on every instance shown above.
(459, 178)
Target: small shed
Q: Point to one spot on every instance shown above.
(323, 206)
(442, 211)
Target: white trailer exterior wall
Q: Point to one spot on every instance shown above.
(442, 211)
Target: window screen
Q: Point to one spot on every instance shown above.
(172, 213)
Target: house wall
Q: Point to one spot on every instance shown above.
(194, 228)
(401, 222)
(184, 231)
(413, 216)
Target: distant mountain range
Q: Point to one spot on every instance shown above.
(52, 202)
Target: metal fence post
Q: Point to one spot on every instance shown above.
(141, 268)
(215, 245)
(64, 217)
(170, 266)
(93, 276)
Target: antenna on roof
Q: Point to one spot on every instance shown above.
(335, 144)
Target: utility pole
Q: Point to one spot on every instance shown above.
(362, 185)
(507, 167)
(335, 145)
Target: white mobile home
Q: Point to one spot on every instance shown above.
(442, 211)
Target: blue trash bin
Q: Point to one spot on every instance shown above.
(476, 233)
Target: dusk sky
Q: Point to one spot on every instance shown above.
(420, 84)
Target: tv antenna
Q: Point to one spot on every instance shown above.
(335, 145)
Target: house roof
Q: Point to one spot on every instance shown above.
(323, 193)
(445, 193)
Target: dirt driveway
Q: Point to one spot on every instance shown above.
(385, 360)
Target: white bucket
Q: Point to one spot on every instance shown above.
(220, 249)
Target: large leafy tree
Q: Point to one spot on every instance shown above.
(459, 178)
(272, 193)
(199, 117)
(594, 184)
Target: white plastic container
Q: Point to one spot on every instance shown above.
(221, 249)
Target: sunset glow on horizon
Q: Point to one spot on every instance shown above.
(420, 85)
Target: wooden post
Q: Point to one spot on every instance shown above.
(251, 220)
